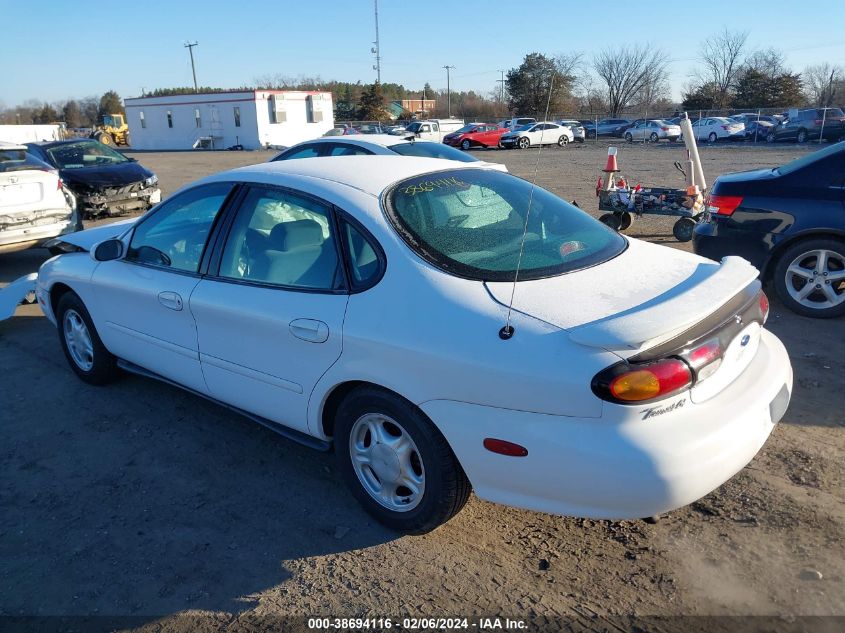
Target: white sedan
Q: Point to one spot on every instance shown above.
(364, 304)
(34, 204)
(533, 134)
(379, 144)
(715, 128)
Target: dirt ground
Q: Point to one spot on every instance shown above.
(141, 500)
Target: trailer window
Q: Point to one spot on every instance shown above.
(169, 119)
(197, 117)
(237, 112)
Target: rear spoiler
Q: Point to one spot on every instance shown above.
(664, 317)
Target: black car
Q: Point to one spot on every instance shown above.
(104, 180)
(807, 125)
(789, 222)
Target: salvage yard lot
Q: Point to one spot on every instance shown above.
(139, 499)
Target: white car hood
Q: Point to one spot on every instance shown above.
(90, 237)
(642, 297)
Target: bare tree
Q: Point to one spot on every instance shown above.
(824, 83)
(769, 62)
(629, 72)
(722, 57)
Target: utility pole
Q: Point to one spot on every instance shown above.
(190, 47)
(502, 86)
(448, 91)
(375, 49)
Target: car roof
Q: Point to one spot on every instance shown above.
(61, 142)
(370, 174)
(364, 140)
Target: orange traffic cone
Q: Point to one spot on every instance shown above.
(611, 166)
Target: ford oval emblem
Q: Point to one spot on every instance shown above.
(745, 340)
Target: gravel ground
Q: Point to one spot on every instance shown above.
(141, 500)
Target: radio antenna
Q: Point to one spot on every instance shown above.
(507, 331)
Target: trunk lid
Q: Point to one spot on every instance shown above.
(646, 296)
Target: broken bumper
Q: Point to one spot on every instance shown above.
(21, 290)
(119, 200)
(22, 231)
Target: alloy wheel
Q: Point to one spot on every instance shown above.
(816, 279)
(387, 462)
(78, 340)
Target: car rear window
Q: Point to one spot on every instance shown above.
(432, 150)
(20, 160)
(470, 223)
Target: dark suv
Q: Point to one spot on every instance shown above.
(806, 125)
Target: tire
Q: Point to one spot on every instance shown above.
(611, 220)
(802, 136)
(524, 143)
(628, 137)
(442, 487)
(465, 144)
(712, 137)
(795, 270)
(683, 228)
(106, 139)
(770, 138)
(654, 138)
(625, 220)
(673, 139)
(83, 349)
(563, 141)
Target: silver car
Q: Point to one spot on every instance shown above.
(577, 129)
(653, 130)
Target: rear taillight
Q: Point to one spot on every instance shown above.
(764, 306)
(723, 205)
(665, 129)
(726, 127)
(705, 359)
(642, 382)
(59, 184)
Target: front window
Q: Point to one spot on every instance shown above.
(84, 153)
(470, 223)
(432, 150)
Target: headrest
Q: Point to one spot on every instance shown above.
(289, 235)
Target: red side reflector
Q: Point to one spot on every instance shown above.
(764, 306)
(503, 447)
(723, 205)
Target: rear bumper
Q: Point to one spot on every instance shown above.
(29, 235)
(621, 466)
(716, 240)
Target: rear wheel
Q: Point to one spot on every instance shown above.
(465, 144)
(683, 228)
(524, 143)
(628, 137)
(625, 220)
(713, 137)
(84, 350)
(563, 141)
(770, 138)
(611, 220)
(106, 139)
(396, 462)
(810, 277)
(654, 137)
(802, 136)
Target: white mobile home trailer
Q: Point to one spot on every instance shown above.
(252, 118)
(31, 133)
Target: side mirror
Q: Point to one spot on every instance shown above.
(108, 250)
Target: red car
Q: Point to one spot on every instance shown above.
(475, 135)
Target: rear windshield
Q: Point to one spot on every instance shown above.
(808, 159)
(84, 153)
(470, 223)
(20, 160)
(432, 150)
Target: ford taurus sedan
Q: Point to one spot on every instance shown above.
(443, 327)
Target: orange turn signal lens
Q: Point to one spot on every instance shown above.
(657, 379)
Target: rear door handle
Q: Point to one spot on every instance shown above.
(170, 300)
(310, 330)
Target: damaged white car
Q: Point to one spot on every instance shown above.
(370, 305)
(34, 203)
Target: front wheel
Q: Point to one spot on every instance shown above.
(563, 141)
(397, 463)
(713, 137)
(654, 137)
(628, 137)
(810, 277)
(84, 350)
(524, 143)
(465, 144)
(612, 220)
(802, 136)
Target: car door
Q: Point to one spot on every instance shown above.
(141, 300)
(269, 315)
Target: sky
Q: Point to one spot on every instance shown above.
(129, 46)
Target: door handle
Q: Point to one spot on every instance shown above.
(310, 330)
(170, 300)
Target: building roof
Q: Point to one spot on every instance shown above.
(214, 97)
